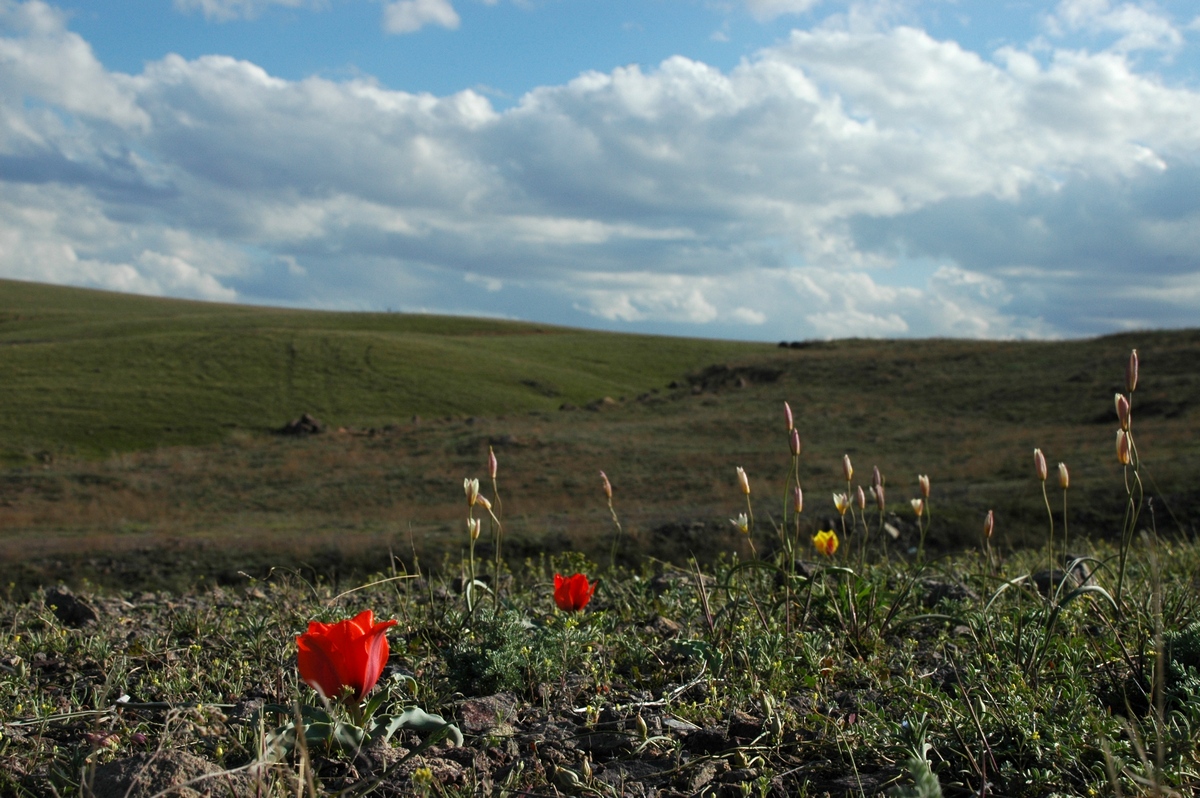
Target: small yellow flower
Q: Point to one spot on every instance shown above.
(918, 506)
(842, 502)
(742, 523)
(826, 542)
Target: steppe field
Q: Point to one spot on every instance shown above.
(167, 531)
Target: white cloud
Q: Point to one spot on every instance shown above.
(1140, 27)
(787, 197)
(770, 9)
(408, 16)
(226, 10)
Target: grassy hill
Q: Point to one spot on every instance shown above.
(138, 435)
(91, 372)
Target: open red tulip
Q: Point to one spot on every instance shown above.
(349, 653)
(572, 593)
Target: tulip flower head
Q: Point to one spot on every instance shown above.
(787, 417)
(826, 542)
(876, 477)
(1131, 372)
(794, 443)
(1122, 410)
(741, 523)
(989, 525)
(572, 593)
(1123, 456)
(918, 506)
(1064, 476)
(743, 480)
(483, 502)
(847, 469)
(473, 528)
(604, 483)
(344, 659)
(797, 499)
(842, 502)
(493, 465)
(880, 500)
(860, 498)
(923, 482)
(471, 488)
(1039, 464)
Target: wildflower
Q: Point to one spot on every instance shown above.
(847, 469)
(1123, 456)
(493, 465)
(880, 501)
(1122, 410)
(918, 506)
(842, 502)
(876, 477)
(826, 542)
(794, 443)
(572, 593)
(471, 488)
(483, 502)
(1131, 372)
(787, 416)
(797, 499)
(1064, 477)
(606, 485)
(989, 524)
(347, 655)
(923, 481)
(1039, 464)
(742, 523)
(861, 499)
(473, 528)
(743, 480)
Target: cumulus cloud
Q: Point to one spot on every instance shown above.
(408, 16)
(226, 10)
(770, 9)
(845, 181)
(1139, 27)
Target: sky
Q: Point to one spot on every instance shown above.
(747, 169)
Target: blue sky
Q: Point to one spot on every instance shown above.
(756, 169)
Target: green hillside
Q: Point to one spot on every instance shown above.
(91, 372)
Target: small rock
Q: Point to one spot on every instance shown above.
(69, 609)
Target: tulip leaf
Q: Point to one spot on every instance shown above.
(418, 720)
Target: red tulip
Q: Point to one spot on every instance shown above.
(349, 653)
(572, 593)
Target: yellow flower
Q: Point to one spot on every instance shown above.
(826, 542)
(918, 506)
(842, 502)
(742, 523)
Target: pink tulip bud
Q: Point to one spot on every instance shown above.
(1131, 372)
(606, 485)
(880, 502)
(861, 498)
(847, 469)
(492, 464)
(794, 442)
(787, 416)
(1123, 456)
(923, 481)
(876, 477)
(989, 524)
(1039, 464)
(1064, 477)
(797, 499)
(1122, 410)
(743, 480)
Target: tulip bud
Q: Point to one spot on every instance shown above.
(471, 488)
(473, 528)
(1064, 478)
(923, 481)
(847, 469)
(797, 499)
(1123, 456)
(880, 502)
(1122, 410)
(876, 477)
(918, 506)
(492, 464)
(743, 480)
(1131, 372)
(989, 524)
(861, 498)
(794, 442)
(483, 502)
(1039, 464)
(787, 416)
(606, 484)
